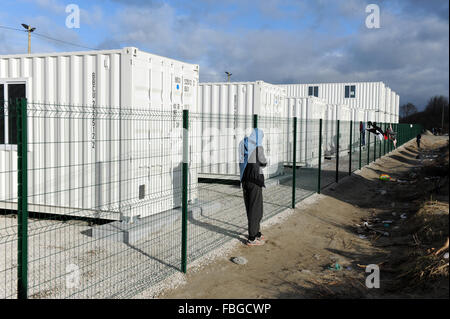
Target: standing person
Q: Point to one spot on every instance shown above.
(251, 162)
(392, 135)
(362, 132)
(418, 137)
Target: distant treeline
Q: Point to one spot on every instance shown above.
(431, 117)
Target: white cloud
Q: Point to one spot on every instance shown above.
(408, 53)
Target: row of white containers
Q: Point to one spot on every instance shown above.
(228, 110)
(309, 110)
(370, 96)
(117, 164)
(124, 161)
(228, 107)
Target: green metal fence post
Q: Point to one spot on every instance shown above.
(320, 156)
(402, 133)
(22, 199)
(380, 148)
(375, 138)
(384, 141)
(255, 120)
(368, 147)
(294, 162)
(388, 143)
(399, 138)
(360, 142)
(351, 149)
(337, 150)
(396, 137)
(391, 145)
(184, 199)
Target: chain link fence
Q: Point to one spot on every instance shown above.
(100, 202)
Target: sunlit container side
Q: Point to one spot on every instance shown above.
(363, 95)
(228, 108)
(393, 105)
(329, 130)
(308, 112)
(397, 108)
(387, 98)
(357, 115)
(379, 117)
(89, 154)
(367, 95)
(369, 115)
(334, 112)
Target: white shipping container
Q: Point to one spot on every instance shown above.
(380, 117)
(96, 165)
(393, 102)
(388, 100)
(358, 115)
(362, 95)
(336, 112)
(308, 112)
(369, 115)
(397, 108)
(367, 95)
(228, 108)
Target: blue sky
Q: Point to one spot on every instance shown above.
(272, 40)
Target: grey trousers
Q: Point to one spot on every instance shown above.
(254, 206)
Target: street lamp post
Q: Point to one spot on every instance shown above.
(228, 75)
(29, 29)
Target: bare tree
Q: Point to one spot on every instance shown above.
(408, 109)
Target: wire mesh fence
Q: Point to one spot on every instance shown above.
(103, 202)
(329, 150)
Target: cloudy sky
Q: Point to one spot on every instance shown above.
(272, 40)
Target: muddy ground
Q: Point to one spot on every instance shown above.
(322, 248)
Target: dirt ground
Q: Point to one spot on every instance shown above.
(321, 249)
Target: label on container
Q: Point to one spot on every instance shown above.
(94, 109)
(176, 116)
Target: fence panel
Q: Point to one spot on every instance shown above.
(344, 149)
(106, 187)
(329, 147)
(104, 196)
(356, 139)
(9, 226)
(307, 159)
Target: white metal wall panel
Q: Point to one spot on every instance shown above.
(369, 95)
(221, 135)
(397, 107)
(358, 115)
(73, 174)
(308, 111)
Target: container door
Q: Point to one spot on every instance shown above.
(9, 92)
(15, 91)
